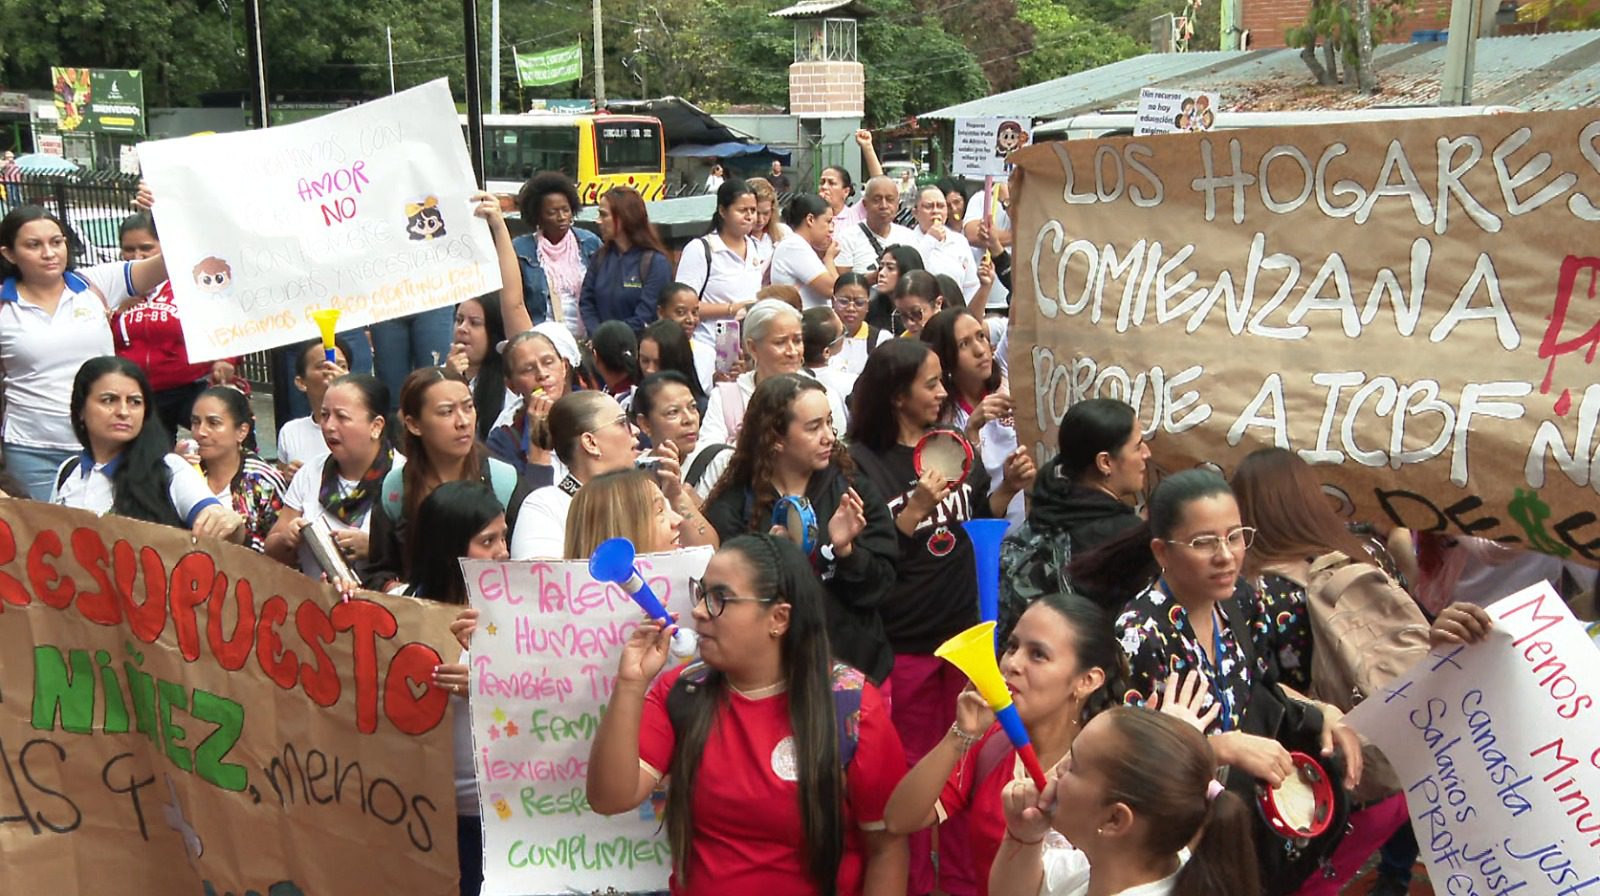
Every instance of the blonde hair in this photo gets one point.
(765, 192)
(611, 505)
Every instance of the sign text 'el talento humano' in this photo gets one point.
(544, 664)
(1409, 302)
(195, 718)
(1497, 750)
(367, 210)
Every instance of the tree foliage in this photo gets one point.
(1068, 41)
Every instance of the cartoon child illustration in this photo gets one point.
(1009, 138)
(423, 219)
(213, 275)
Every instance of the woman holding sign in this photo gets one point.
(789, 469)
(779, 760)
(52, 320)
(898, 399)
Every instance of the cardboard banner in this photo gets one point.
(1173, 111)
(1498, 748)
(367, 210)
(983, 146)
(98, 100)
(1408, 302)
(550, 67)
(544, 662)
(181, 718)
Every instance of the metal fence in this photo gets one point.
(93, 205)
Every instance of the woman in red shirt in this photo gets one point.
(148, 333)
(1063, 667)
(780, 761)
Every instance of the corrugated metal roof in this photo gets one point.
(1532, 72)
(806, 8)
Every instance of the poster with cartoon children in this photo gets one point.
(983, 146)
(1175, 111)
(367, 210)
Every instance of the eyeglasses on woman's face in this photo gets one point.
(1238, 539)
(717, 597)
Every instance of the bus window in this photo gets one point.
(629, 147)
(516, 153)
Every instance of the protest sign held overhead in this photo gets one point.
(1175, 111)
(185, 718)
(1496, 748)
(1408, 302)
(983, 146)
(544, 663)
(366, 210)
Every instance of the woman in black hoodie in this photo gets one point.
(1079, 502)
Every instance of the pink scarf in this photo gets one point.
(563, 267)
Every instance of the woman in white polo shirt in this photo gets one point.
(52, 319)
(127, 466)
(806, 257)
(725, 266)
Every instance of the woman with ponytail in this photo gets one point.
(1136, 790)
(777, 761)
(1063, 667)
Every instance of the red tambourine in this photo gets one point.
(1302, 807)
(945, 451)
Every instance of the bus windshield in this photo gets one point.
(628, 147)
(515, 153)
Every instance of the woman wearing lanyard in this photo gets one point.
(788, 457)
(724, 267)
(342, 487)
(976, 391)
(627, 274)
(225, 432)
(52, 320)
(555, 257)
(126, 466)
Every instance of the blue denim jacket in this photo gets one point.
(535, 288)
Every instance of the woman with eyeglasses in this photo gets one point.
(851, 297)
(1195, 612)
(789, 457)
(896, 262)
(917, 298)
(592, 436)
(778, 761)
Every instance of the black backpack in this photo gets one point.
(1033, 563)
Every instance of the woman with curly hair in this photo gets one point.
(555, 257)
(788, 452)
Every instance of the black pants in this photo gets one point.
(469, 846)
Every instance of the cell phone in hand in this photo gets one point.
(727, 345)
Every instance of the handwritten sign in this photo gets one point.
(983, 146)
(1498, 749)
(184, 719)
(1407, 302)
(1172, 111)
(366, 210)
(544, 663)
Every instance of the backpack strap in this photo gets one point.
(706, 242)
(877, 247)
(503, 480)
(697, 470)
(393, 492)
(68, 466)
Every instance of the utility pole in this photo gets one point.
(599, 62)
(388, 35)
(494, 60)
(469, 9)
(257, 59)
(1460, 53)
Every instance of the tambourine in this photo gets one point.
(795, 515)
(945, 451)
(1302, 807)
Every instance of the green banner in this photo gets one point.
(99, 100)
(549, 67)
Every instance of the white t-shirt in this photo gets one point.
(714, 427)
(88, 486)
(300, 441)
(705, 360)
(951, 255)
(856, 251)
(1066, 873)
(542, 524)
(998, 294)
(302, 496)
(40, 353)
(731, 277)
(852, 356)
(795, 263)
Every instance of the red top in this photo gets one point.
(148, 334)
(976, 791)
(748, 833)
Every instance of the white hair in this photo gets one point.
(763, 314)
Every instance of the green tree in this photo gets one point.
(1067, 41)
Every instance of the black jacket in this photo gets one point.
(1088, 516)
(856, 585)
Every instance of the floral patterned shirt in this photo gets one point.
(257, 495)
(1158, 639)
(1288, 623)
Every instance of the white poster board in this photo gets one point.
(983, 145)
(1175, 111)
(544, 663)
(1498, 748)
(367, 210)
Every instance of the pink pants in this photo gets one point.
(1370, 828)
(922, 693)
